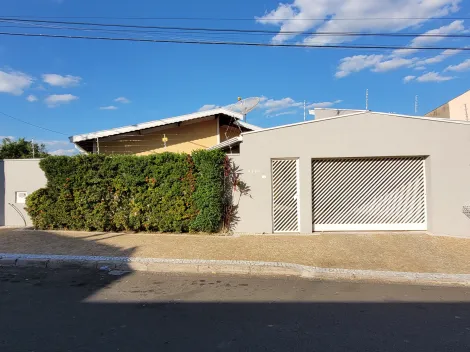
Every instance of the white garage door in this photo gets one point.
(368, 194)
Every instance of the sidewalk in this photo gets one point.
(415, 253)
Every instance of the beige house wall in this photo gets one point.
(457, 107)
(182, 139)
(441, 111)
(454, 109)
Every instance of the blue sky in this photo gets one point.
(74, 86)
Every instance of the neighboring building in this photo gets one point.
(18, 179)
(456, 109)
(363, 171)
(200, 130)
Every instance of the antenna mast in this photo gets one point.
(416, 105)
(367, 99)
(305, 112)
(466, 112)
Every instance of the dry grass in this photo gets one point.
(397, 252)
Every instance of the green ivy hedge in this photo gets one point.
(165, 192)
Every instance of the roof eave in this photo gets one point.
(155, 123)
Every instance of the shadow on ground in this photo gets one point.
(80, 310)
(43, 242)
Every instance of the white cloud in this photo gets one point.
(58, 99)
(110, 107)
(32, 98)
(463, 66)
(289, 106)
(325, 104)
(122, 100)
(356, 63)
(9, 137)
(408, 79)
(436, 59)
(54, 143)
(291, 112)
(272, 105)
(61, 81)
(208, 107)
(380, 16)
(392, 64)
(383, 63)
(433, 77)
(14, 82)
(68, 152)
(427, 39)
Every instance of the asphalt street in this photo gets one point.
(85, 310)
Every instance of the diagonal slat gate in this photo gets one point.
(369, 194)
(285, 195)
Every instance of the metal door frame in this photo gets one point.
(297, 170)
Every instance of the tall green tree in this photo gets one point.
(21, 149)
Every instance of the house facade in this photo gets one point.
(456, 109)
(181, 134)
(362, 171)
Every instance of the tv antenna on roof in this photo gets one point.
(244, 106)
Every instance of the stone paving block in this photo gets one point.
(71, 264)
(37, 263)
(224, 269)
(132, 266)
(7, 261)
(273, 270)
(172, 268)
(101, 265)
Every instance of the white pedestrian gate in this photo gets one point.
(285, 176)
(369, 194)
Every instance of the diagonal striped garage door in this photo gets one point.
(368, 194)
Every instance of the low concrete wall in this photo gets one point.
(18, 175)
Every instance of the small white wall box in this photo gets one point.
(21, 197)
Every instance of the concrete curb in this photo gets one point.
(231, 267)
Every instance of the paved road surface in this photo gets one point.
(80, 310)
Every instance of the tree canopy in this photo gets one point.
(21, 149)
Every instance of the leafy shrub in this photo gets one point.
(209, 194)
(165, 192)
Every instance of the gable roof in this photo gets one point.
(157, 123)
(435, 119)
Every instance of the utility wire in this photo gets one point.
(326, 19)
(232, 43)
(216, 34)
(31, 124)
(235, 30)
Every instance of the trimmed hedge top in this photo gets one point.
(165, 192)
